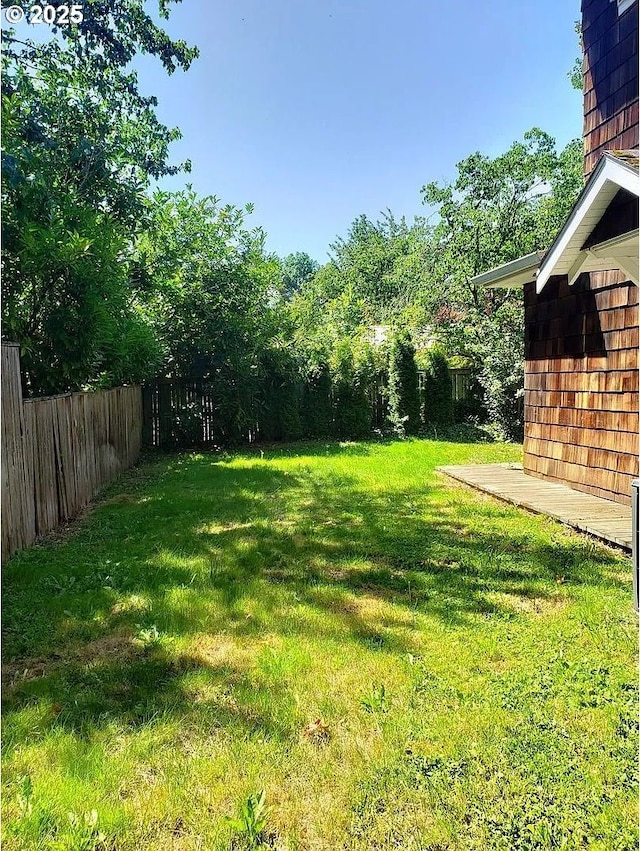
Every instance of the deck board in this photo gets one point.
(606, 520)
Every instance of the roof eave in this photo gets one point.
(516, 273)
(610, 169)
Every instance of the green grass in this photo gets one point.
(471, 666)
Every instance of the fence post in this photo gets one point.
(18, 508)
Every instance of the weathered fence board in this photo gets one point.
(18, 512)
(58, 452)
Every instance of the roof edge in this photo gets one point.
(512, 274)
(609, 168)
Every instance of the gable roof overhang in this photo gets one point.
(567, 255)
(513, 274)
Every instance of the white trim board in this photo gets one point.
(565, 255)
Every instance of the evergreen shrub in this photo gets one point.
(403, 390)
(280, 396)
(353, 375)
(437, 396)
(317, 411)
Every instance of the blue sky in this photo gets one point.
(319, 110)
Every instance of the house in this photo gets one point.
(581, 297)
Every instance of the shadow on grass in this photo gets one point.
(205, 546)
(459, 433)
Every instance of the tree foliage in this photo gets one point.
(105, 282)
(205, 282)
(80, 146)
(495, 211)
(353, 373)
(403, 392)
(297, 270)
(281, 395)
(437, 407)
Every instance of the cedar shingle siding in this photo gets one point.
(581, 383)
(581, 372)
(610, 79)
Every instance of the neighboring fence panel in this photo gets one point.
(180, 412)
(58, 452)
(461, 383)
(18, 507)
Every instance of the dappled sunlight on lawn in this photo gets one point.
(182, 640)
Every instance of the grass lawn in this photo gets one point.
(398, 662)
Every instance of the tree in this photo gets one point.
(205, 283)
(374, 277)
(495, 211)
(205, 279)
(80, 146)
(438, 401)
(372, 260)
(575, 75)
(353, 373)
(404, 396)
(297, 269)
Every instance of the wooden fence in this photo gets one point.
(59, 451)
(179, 412)
(461, 378)
(183, 412)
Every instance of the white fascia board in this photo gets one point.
(512, 274)
(608, 171)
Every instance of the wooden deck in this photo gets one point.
(606, 520)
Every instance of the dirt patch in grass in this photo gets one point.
(213, 651)
(521, 604)
(120, 646)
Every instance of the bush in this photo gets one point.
(317, 412)
(353, 375)
(186, 426)
(403, 391)
(236, 390)
(502, 369)
(280, 396)
(472, 408)
(438, 401)
(503, 383)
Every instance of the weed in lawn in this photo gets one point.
(148, 637)
(376, 700)
(82, 833)
(251, 820)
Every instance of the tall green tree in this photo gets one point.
(206, 282)
(297, 270)
(404, 397)
(374, 276)
(437, 401)
(496, 210)
(80, 146)
(373, 260)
